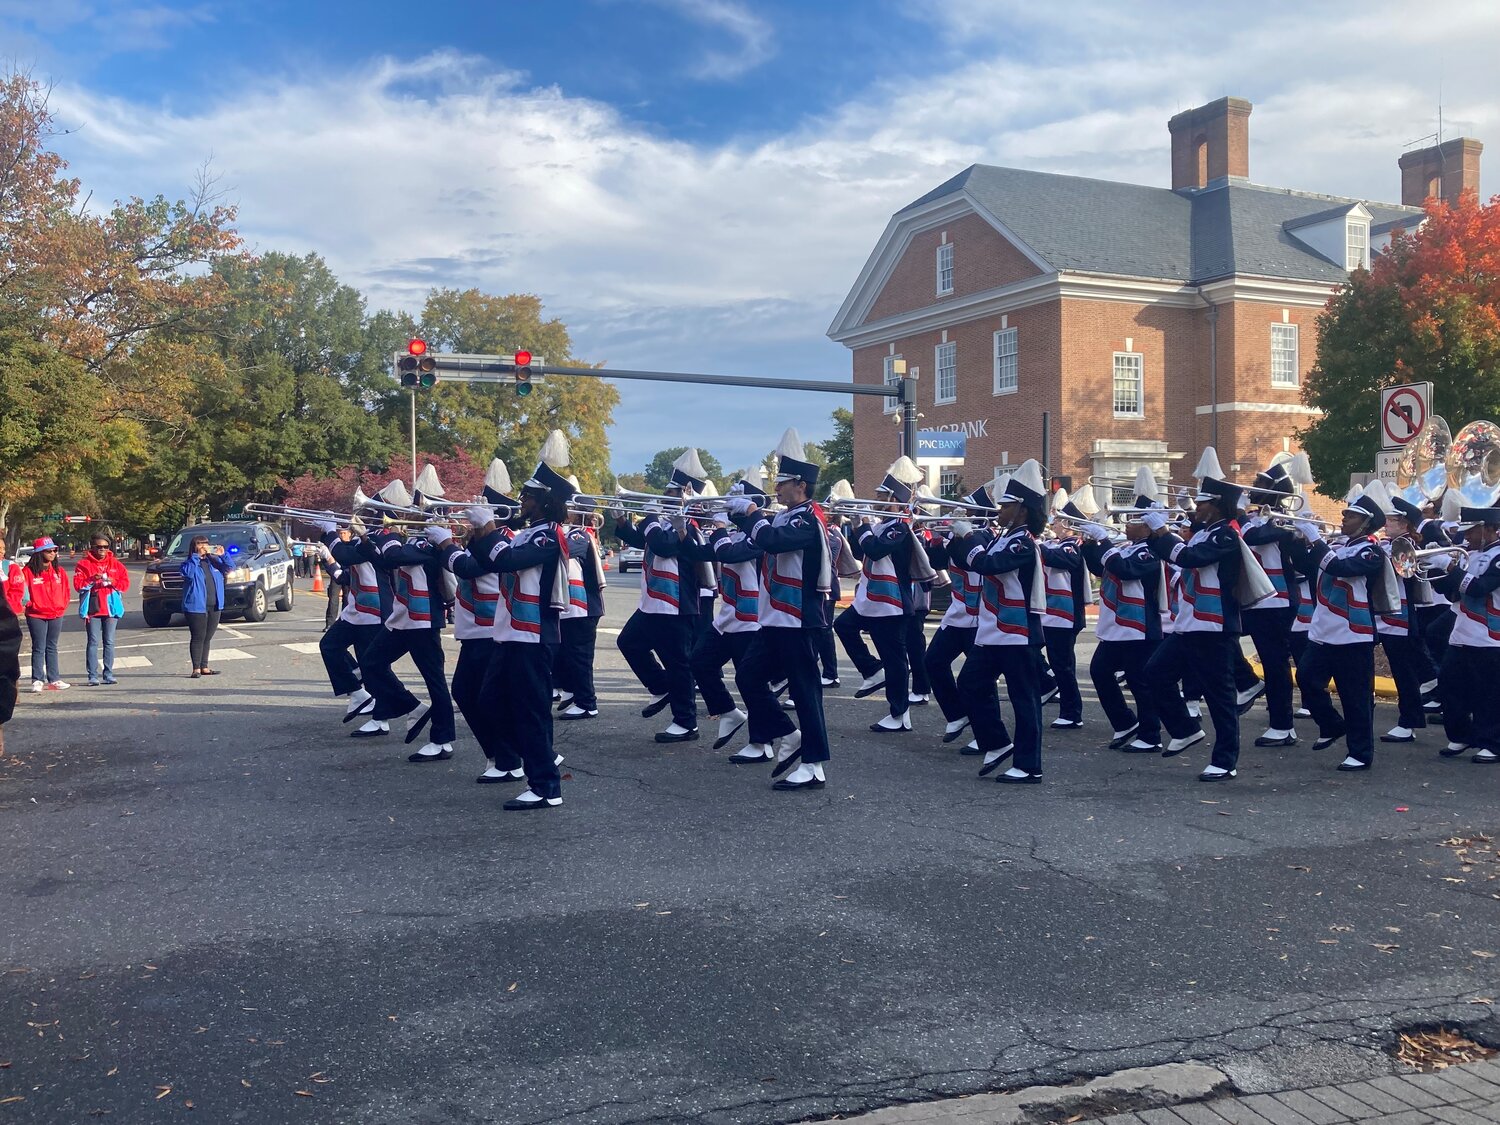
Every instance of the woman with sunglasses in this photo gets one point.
(47, 598)
(101, 582)
(202, 599)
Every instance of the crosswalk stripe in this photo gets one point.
(308, 647)
(230, 654)
(132, 662)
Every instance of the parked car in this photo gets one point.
(632, 558)
(260, 572)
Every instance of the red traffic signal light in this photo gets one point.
(416, 347)
(523, 359)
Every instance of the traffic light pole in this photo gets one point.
(414, 433)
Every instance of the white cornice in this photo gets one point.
(1270, 290)
(1258, 408)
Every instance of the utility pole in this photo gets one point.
(414, 433)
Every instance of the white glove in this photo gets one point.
(327, 527)
(436, 535)
(739, 505)
(1096, 531)
(721, 519)
(1156, 519)
(1309, 530)
(962, 528)
(324, 553)
(678, 522)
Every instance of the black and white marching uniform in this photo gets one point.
(573, 668)
(657, 641)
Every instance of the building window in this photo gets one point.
(1007, 365)
(1121, 496)
(948, 483)
(1129, 385)
(945, 359)
(893, 403)
(1283, 355)
(945, 268)
(1357, 246)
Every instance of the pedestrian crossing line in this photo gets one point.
(235, 633)
(230, 654)
(307, 647)
(132, 662)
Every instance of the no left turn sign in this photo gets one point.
(1403, 411)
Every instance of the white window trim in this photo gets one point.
(1364, 232)
(937, 278)
(1141, 386)
(1296, 349)
(891, 403)
(937, 376)
(995, 388)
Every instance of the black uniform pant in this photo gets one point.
(474, 658)
(792, 654)
(657, 646)
(392, 700)
(335, 604)
(343, 649)
(1435, 623)
(1407, 659)
(1209, 658)
(916, 653)
(1297, 643)
(828, 654)
(1131, 658)
(573, 666)
(1060, 656)
(1471, 704)
(1271, 630)
(1244, 675)
(951, 642)
(889, 635)
(201, 630)
(978, 688)
(714, 650)
(517, 693)
(1351, 667)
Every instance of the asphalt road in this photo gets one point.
(218, 907)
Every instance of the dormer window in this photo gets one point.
(1356, 245)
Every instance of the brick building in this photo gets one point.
(1144, 323)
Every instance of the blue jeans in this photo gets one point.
(101, 627)
(44, 635)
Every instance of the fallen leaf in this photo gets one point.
(245, 1082)
(513, 985)
(1328, 941)
(304, 1093)
(1297, 867)
(114, 1070)
(1481, 953)
(12, 1099)
(1383, 947)
(163, 1091)
(189, 1105)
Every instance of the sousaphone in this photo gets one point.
(1422, 471)
(1473, 464)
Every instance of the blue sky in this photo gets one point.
(694, 184)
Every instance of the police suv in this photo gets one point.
(260, 571)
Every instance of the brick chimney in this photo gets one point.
(1444, 170)
(1210, 142)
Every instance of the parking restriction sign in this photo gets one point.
(1403, 411)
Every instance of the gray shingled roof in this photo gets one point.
(1101, 226)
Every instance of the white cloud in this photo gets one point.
(734, 256)
(754, 37)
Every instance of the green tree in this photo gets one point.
(488, 420)
(839, 449)
(1427, 310)
(659, 472)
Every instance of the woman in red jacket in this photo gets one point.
(12, 579)
(47, 598)
(101, 582)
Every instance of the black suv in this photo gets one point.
(260, 571)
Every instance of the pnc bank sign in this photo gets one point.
(949, 443)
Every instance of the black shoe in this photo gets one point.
(862, 693)
(1066, 724)
(1005, 755)
(1255, 693)
(810, 783)
(954, 736)
(1049, 695)
(1123, 737)
(1206, 776)
(1347, 768)
(828, 683)
(441, 756)
(747, 760)
(515, 804)
(686, 736)
(1289, 740)
(1149, 747)
(363, 709)
(970, 751)
(418, 726)
(571, 715)
(1393, 738)
(1007, 778)
(655, 707)
(505, 778)
(1323, 742)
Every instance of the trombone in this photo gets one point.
(1408, 561)
(1285, 519)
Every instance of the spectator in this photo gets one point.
(47, 598)
(297, 556)
(101, 580)
(10, 665)
(13, 579)
(202, 599)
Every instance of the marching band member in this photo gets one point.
(1132, 592)
(414, 628)
(1425, 603)
(574, 666)
(1269, 622)
(1400, 638)
(796, 577)
(1065, 579)
(360, 619)
(1009, 630)
(924, 578)
(733, 627)
(1471, 666)
(1352, 584)
(955, 635)
(657, 640)
(882, 600)
(1205, 630)
(845, 565)
(533, 593)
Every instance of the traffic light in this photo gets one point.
(416, 368)
(523, 373)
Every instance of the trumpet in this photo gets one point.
(1282, 519)
(1407, 561)
(1116, 535)
(343, 519)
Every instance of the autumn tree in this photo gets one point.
(659, 472)
(1428, 310)
(839, 449)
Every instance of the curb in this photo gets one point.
(1385, 687)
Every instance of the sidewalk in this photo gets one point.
(1183, 1094)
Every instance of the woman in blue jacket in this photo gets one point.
(202, 599)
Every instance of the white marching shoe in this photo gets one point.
(1217, 773)
(1453, 749)
(529, 800)
(432, 752)
(1178, 745)
(892, 723)
(1485, 758)
(360, 701)
(803, 777)
(494, 775)
(916, 700)
(1195, 710)
(993, 759)
(870, 685)
(788, 752)
(952, 730)
(371, 729)
(754, 753)
(1398, 734)
(573, 711)
(729, 725)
